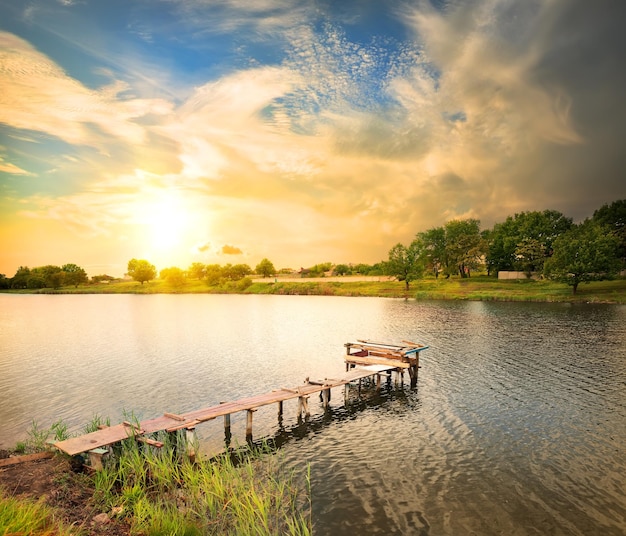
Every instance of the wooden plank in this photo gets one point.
(174, 416)
(151, 442)
(99, 438)
(14, 460)
(380, 344)
(182, 425)
(377, 361)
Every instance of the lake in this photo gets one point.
(517, 425)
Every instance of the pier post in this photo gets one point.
(280, 408)
(250, 412)
(190, 443)
(303, 405)
(326, 397)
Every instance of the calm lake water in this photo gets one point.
(517, 425)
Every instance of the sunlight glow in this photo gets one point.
(167, 222)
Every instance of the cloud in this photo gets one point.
(231, 250)
(38, 95)
(12, 169)
(203, 248)
(257, 20)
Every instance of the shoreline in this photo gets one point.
(478, 288)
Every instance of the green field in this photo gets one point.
(480, 288)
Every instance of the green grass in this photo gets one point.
(479, 288)
(19, 516)
(159, 493)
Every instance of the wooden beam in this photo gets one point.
(377, 361)
(151, 442)
(14, 460)
(174, 416)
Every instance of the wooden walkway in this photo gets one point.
(170, 422)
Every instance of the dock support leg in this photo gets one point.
(377, 381)
(95, 458)
(413, 375)
(325, 397)
(190, 440)
(250, 413)
(227, 433)
(280, 408)
(303, 406)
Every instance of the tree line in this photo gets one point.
(544, 244)
(48, 276)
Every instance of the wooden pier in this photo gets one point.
(358, 367)
(401, 357)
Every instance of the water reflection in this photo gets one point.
(516, 426)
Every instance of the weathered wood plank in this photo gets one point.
(373, 360)
(14, 460)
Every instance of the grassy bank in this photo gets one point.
(150, 491)
(478, 288)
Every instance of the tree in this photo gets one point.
(197, 270)
(434, 246)
(464, 246)
(506, 237)
(102, 277)
(530, 255)
(51, 275)
(141, 270)
(74, 275)
(404, 263)
(265, 268)
(20, 279)
(587, 252)
(341, 269)
(236, 272)
(174, 276)
(614, 217)
(213, 274)
(318, 270)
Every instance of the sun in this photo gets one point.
(166, 222)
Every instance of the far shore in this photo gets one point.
(476, 288)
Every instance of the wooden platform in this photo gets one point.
(405, 356)
(171, 422)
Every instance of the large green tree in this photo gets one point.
(587, 252)
(235, 272)
(530, 256)
(405, 263)
(516, 231)
(74, 274)
(197, 270)
(434, 248)
(20, 279)
(265, 268)
(174, 276)
(141, 270)
(213, 274)
(49, 276)
(464, 246)
(614, 217)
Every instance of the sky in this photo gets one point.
(302, 131)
